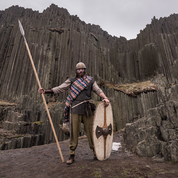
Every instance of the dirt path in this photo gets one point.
(45, 162)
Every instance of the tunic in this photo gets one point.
(84, 95)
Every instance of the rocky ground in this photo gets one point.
(44, 161)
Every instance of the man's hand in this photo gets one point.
(41, 90)
(65, 128)
(66, 125)
(106, 101)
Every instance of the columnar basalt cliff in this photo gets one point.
(137, 75)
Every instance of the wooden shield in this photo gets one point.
(103, 131)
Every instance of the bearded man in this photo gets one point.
(78, 100)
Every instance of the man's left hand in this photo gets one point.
(106, 101)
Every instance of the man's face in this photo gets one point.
(80, 72)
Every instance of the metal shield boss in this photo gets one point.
(103, 131)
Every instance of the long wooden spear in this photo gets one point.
(23, 34)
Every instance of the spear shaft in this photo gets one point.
(44, 100)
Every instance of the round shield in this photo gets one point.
(103, 131)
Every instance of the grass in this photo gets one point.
(97, 173)
(83, 167)
(134, 172)
(175, 173)
(38, 122)
(132, 89)
(125, 173)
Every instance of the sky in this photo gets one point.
(118, 17)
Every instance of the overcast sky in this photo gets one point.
(117, 17)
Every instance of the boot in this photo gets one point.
(71, 160)
(95, 157)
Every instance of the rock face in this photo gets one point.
(24, 126)
(58, 41)
(157, 132)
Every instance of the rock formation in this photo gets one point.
(58, 41)
(157, 132)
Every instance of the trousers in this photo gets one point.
(77, 119)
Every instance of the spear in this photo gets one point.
(23, 34)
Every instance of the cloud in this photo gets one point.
(117, 17)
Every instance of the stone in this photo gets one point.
(148, 147)
(151, 139)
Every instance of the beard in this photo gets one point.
(80, 74)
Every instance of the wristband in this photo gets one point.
(49, 91)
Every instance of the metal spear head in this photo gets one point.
(22, 31)
(21, 28)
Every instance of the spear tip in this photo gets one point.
(21, 28)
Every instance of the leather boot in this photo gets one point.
(71, 160)
(95, 157)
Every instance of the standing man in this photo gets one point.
(81, 109)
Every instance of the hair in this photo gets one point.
(76, 73)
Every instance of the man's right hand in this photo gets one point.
(41, 90)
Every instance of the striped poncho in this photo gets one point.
(76, 89)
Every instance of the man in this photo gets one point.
(79, 101)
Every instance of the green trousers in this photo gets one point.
(77, 119)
